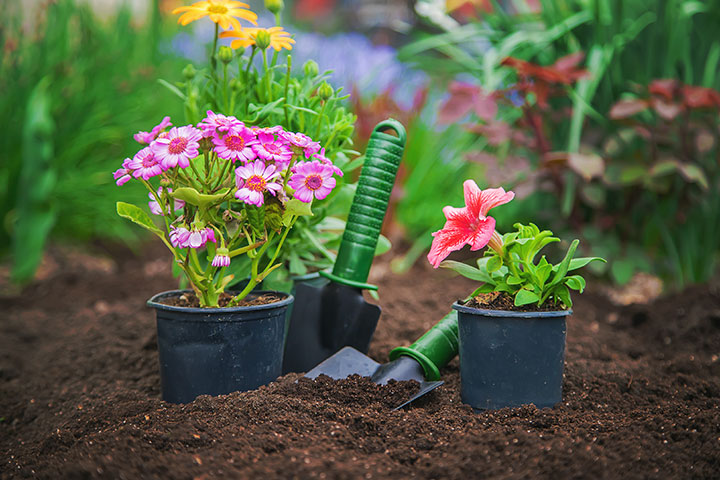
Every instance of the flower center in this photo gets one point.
(177, 145)
(313, 182)
(234, 142)
(256, 183)
(148, 161)
(272, 148)
(221, 9)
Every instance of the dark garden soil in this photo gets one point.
(79, 393)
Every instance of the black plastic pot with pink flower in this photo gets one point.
(512, 328)
(224, 190)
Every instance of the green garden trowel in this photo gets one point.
(421, 361)
(333, 315)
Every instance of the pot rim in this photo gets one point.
(154, 303)
(510, 313)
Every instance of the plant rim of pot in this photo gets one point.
(511, 313)
(154, 302)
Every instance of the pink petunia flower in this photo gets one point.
(148, 137)
(326, 161)
(468, 225)
(181, 237)
(178, 147)
(145, 165)
(216, 122)
(312, 179)
(268, 148)
(253, 180)
(303, 142)
(222, 258)
(236, 144)
(155, 206)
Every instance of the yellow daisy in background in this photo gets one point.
(223, 12)
(278, 38)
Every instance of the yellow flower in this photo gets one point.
(223, 12)
(279, 38)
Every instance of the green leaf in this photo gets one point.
(494, 263)
(202, 200)
(525, 297)
(562, 269)
(580, 262)
(576, 282)
(563, 294)
(172, 88)
(383, 245)
(514, 280)
(297, 208)
(467, 271)
(138, 216)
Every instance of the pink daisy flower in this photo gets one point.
(122, 176)
(253, 180)
(177, 147)
(312, 179)
(236, 144)
(276, 130)
(222, 258)
(302, 141)
(468, 225)
(268, 148)
(144, 164)
(155, 206)
(326, 161)
(216, 122)
(148, 137)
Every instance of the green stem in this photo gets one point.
(267, 77)
(213, 60)
(320, 119)
(197, 174)
(287, 91)
(225, 88)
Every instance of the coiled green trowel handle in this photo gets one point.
(434, 349)
(377, 177)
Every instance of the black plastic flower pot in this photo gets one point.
(509, 358)
(215, 351)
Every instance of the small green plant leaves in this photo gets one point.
(525, 297)
(494, 263)
(138, 216)
(576, 282)
(514, 280)
(467, 271)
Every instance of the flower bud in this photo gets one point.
(189, 71)
(225, 54)
(325, 91)
(165, 182)
(236, 85)
(274, 6)
(311, 68)
(262, 39)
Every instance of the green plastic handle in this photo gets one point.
(435, 348)
(377, 177)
